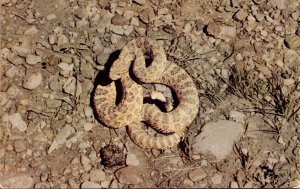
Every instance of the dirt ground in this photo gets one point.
(244, 57)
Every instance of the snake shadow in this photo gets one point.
(102, 78)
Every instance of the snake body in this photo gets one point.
(132, 69)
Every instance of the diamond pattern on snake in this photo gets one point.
(142, 61)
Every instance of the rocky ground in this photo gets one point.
(244, 57)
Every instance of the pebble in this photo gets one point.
(50, 17)
(33, 81)
(70, 86)
(134, 21)
(19, 145)
(51, 39)
(33, 59)
(97, 175)
(88, 184)
(128, 175)
(131, 159)
(61, 137)
(88, 126)
(218, 138)
(234, 184)
(227, 33)
(13, 71)
(128, 30)
(85, 162)
(117, 29)
(118, 20)
(31, 31)
(188, 183)
(216, 179)
(65, 68)
(140, 30)
(55, 84)
(292, 41)
(241, 15)
(42, 185)
(197, 174)
(127, 14)
(62, 40)
(87, 70)
(16, 181)
(53, 103)
(17, 122)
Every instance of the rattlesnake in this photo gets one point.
(132, 70)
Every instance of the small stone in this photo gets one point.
(216, 179)
(88, 126)
(19, 145)
(97, 175)
(118, 20)
(17, 122)
(31, 31)
(82, 23)
(213, 29)
(42, 185)
(55, 84)
(140, 2)
(241, 15)
(62, 40)
(88, 184)
(117, 29)
(16, 181)
(53, 103)
(127, 14)
(87, 70)
(188, 183)
(134, 21)
(71, 85)
(66, 68)
(50, 16)
(248, 185)
(86, 163)
(13, 71)
(228, 32)
(217, 138)
(33, 81)
(234, 184)
(288, 82)
(128, 175)
(140, 30)
(197, 174)
(131, 159)
(115, 38)
(293, 41)
(128, 30)
(33, 59)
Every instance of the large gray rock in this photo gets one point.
(217, 138)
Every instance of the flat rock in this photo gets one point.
(218, 138)
(17, 122)
(131, 159)
(118, 20)
(128, 175)
(33, 59)
(89, 184)
(33, 81)
(97, 175)
(16, 181)
(31, 31)
(71, 86)
(292, 42)
(216, 179)
(197, 174)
